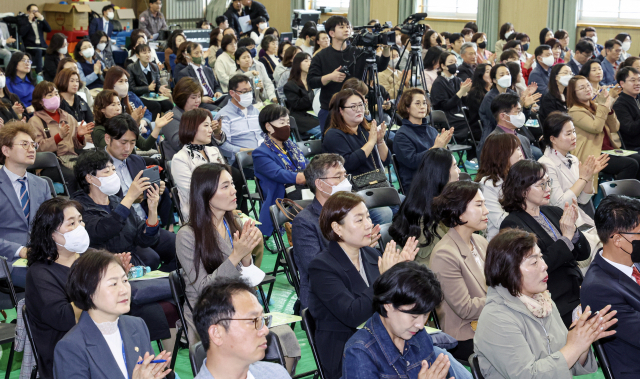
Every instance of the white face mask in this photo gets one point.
(518, 120)
(594, 39)
(88, 53)
(505, 81)
(246, 99)
(344, 185)
(63, 50)
(76, 241)
(101, 46)
(548, 61)
(393, 63)
(109, 185)
(262, 26)
(3, 80)
(626, 46)
(564, 80)
(507, 34)
(110, 15)
(121, 89)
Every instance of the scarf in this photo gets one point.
(297, 164)
(540, 305)
(191, 148)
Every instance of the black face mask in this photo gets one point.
(452, 68)
(635, 252)
(482, 45)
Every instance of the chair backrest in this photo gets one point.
(626, 187)
(176, 201)
(161, 150)
(295, 132)
(385, 238)
(309, 326)
(603, 360)
(177, 292)
(464, 176)
(9, 288)
(474, 364)
(380, 197)
(274, 350)
(52, 189)
(311, 147)
(291, 262)
(47, 159)
(439, 118)
(197, 354)
(394, 161)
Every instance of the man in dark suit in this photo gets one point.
(613, 278)
(104, 23)
(254, 9)
(590, 32)
(203, 74)
(21, 193)
(469, 59)
(233, 13)
(32, 27)
(584, 52)
(121, 133)
(627, 107)
(613, 49)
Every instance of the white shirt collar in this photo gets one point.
(12, 176)
(145, 69)
(627, 270)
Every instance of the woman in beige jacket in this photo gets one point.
(57, 132)
(597, 129)
(520, 332)
(458, 261)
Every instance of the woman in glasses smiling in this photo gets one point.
(20, 79)
(525, 195)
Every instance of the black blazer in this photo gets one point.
(444, 98)
(234, 22)
(139, 83)
(565, 276)
(548, 104)
(28, 35)
(206, 70)
(628, 113)
(80, 109)
(605, 284)
(465, 72)
(339, 301)
(50, 68)
(298, 98)
(256, 10)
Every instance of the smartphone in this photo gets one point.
(153, 173)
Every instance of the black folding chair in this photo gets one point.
(197, 354)
(309, 326)
(245, 160)
(293, 269)
(433, 317)
(48, 159)
(465, 113)
(385, 238)
(279, 219)
(176, 282)
(439, 119)
(175, 196)
(311, 147)
(474, 365)
(602, 359)
(8, 330)
(52, 189)
(27, 327)
(380, 197)
(274, 350)
(295, 132)
(396, 168)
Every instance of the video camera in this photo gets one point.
(413, 28)
(374, 37)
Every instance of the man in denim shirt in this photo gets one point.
(393, 342)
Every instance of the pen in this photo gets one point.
(155, 361)
(588, 318)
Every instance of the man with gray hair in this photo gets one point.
(468, 66)
(325, 175)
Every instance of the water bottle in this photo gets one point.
(138, 271)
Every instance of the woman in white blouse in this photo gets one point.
(499, 153)
(196, 130)
(225, 66)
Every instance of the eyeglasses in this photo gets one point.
(28, 61)
(259, 322)
(544, 185)
(26, 145)
(242, 92)
(355, 108)
(341, 177)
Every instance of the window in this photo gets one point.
(451, 8)
(613, 11)
(334, 5)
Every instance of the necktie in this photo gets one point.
(24, 198)
(204, 83)
(636, 274)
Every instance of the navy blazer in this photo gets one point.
(603, 285)
(574, 67)
(208, 73)
(410, 145)
(84, 353)
(274, 177)
(541, 77)
(14, 227)
(339, 301)
(609, 72)
(97, 24)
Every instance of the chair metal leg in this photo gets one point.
(8, 373)
(270, 291)
(160, 346)
(176, 347)
(264, 299)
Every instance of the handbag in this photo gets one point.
(372, 179)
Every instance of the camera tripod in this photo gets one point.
(370, 78)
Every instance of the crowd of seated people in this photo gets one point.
(521, 244)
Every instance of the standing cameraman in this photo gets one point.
(338, 62)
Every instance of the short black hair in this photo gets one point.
(216, 303)
(584, 47)
(504, 102)
(623, 74)
(472, 25)
(541, 49)
(90, 162)
(318, 167)
(236, 80)
(107, 7)
(238, 54)
(85, 276)
(453, 202)
(153, 1)
(505, 254)
(271, 113)
(611, 43)
(221, 19)
(616, 214)
(246, 41)
(552, 127)
(453, 37)
(333, 21)
(407, 283)
(141, 48)
(29, 7)
(309, 32)
(117, 126)
(522, 175)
